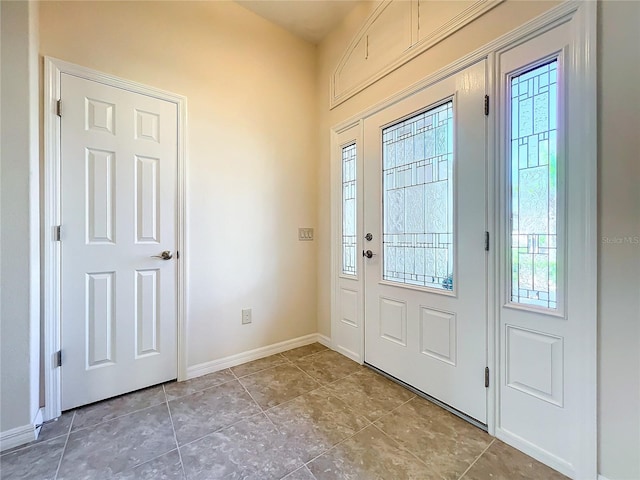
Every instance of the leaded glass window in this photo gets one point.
(534, 186)
(349, 209)
(417, 171)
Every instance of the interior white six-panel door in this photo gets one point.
(118, 211)
(425, 208)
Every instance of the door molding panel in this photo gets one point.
(582, 61)
(53, 69)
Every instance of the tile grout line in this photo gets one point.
(173, 428)
(287, 401)
(117, 417)
(202, 389)
(477, 458)
(308, 376)
(248, 392)
(157, 456)
(381, 416)
(400, 446)
(339, 443)
(221, 428)
(395, 408)
(320, 387)
(254, 401)
(369, 424)
(264, 411)
(133, 467)
(284, 362)
(310, 472)
(305, 356)
(64, 448)
(301, 467)
(331, 393)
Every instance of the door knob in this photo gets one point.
(166, 255)
(367, 253)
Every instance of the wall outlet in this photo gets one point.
(305, 234)
(246, 316)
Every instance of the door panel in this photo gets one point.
(425, 204)
(118, 175)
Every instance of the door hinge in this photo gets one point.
(486, 241)
(56, 233)
(486, 377)
(57, 359)
(486, 104)
(59, 108)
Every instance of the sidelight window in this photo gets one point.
(534, 186)
(349, 243)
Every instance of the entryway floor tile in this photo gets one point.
(305, 414)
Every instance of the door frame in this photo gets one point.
(583, 63)
(52, 265)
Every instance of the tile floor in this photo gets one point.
(308, 413)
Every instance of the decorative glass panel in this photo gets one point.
(417, 173)
(349, 209)
(534, 186)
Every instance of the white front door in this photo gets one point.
(425, 208)
(118, 212)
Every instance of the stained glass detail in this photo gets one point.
(534, 186)
(349, 209)
(417, 173)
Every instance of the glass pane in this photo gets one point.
(534, 186)
(349, 209)
(417, 173)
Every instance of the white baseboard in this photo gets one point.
(602, 477)
(21, 435)
(239, 358)
(536, 452)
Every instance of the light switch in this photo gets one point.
(305, 234)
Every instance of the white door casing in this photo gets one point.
(580, 72)
(114, 165)
(431, 337)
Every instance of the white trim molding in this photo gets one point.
(21, 435)
(250, 355)
(417, 45)
(17, 436)
(53, 69)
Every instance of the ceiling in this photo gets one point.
(311, 20)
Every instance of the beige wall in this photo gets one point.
(251, 153)
(19, 217)
(619, 196)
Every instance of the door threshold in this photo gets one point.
(431, 399)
